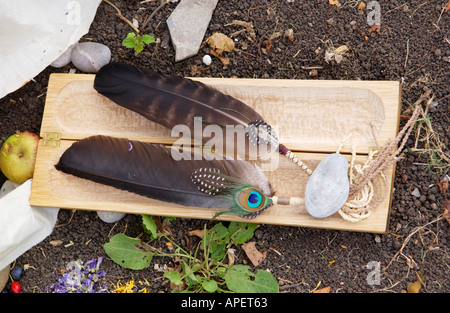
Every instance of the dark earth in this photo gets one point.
(412, 44)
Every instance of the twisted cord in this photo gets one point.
(294, 159)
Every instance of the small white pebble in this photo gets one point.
(207, 59)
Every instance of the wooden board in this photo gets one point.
(308, 115)
(74, 110)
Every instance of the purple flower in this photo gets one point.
(81, 277)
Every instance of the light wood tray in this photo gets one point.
(312, 117)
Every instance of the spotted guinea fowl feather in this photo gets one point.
(151, 170)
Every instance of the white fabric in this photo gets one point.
(34, 33)
(21, 226)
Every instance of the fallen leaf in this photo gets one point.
(268, 45)
(443, 187)
(446, 211)
(56, 243)
(415, 286)
(231, 257)
(290, 34)
(220, 43)
(443, 184)
(336, 54)
(333, 2)
(361, 6)
(197, 232)
(375, 28)
(275, 35)
(341, 49)
(223, 60)
(248, 26)
(448, 7)
(253, 254)
(323, 290)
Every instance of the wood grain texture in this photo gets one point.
(313, 117)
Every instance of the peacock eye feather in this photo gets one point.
(245, 200)
(248, 201)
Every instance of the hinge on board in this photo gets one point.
(52, 139)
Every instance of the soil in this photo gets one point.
(412, 46)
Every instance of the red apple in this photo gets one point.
(18, 156)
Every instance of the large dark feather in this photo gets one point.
(150, 170)
(172, 100)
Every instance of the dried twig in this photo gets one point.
(148, 19)
(407, 55)
(442, 12)
(123, 18)
(405, 242)
(433, 145)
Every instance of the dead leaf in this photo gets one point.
(323, 290)
(56, 243)
(361, 6)
(333, 2)
(248, 26)
(341, 49)
(375, 28)
(220, 43)
(275, 35)
(290, 34)
(446, 211)
(197, 232)
(231, 256)
(443, 187)
(223, 60)
(443, 184)
(448, 7)
(253, 254)
(336, 54)
(415, 286)
(268, 45)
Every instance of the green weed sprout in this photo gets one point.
(137, 42)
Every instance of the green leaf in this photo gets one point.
(189, 273)
(216, 240)
(148, 39)
(129, 41)
(128, 252)
(138, 48)
(209, 285)
(239, 279)
(243, 231)
(174, 277)
(150, 226)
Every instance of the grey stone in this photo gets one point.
(416, 193)
(89, 57)
(187, 26)
(110, 217)
(328, 187)
(64, 58)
